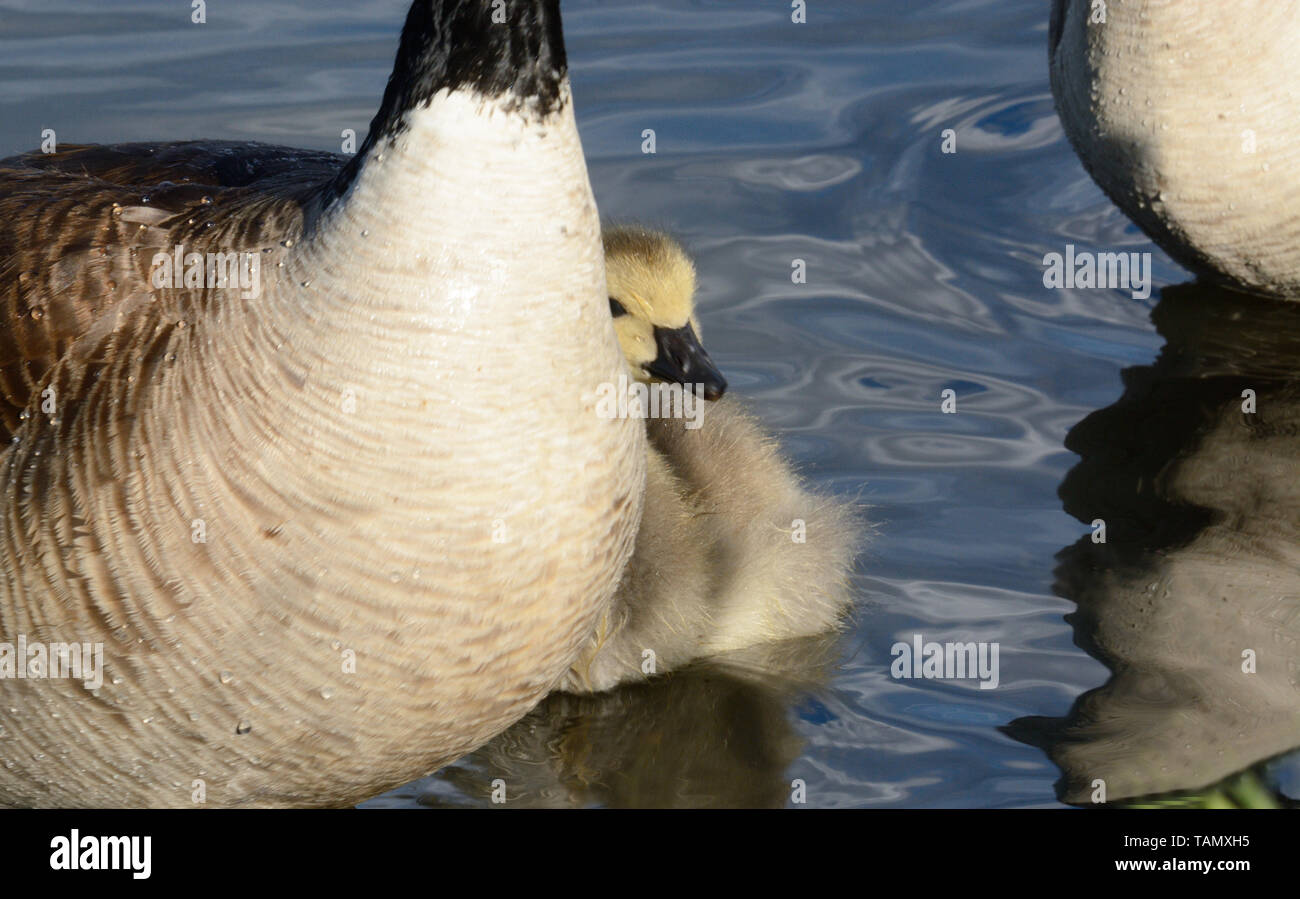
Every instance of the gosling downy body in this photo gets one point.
(733, 550)
(1184, 112)
(277, 513)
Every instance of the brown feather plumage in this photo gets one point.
(79, 227)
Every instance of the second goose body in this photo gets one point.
(1184, 112)
(282, 516)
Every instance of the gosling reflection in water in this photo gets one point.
(718, 734)
(1193, 600)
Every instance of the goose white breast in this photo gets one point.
(280, 515)
(1184, 112)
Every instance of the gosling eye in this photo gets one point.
(616, 308)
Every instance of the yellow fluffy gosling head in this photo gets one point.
(652, 298)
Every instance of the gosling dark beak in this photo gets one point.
(683, 359)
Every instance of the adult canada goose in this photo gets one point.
(1184, 114)
(316, 531)
(733, 550)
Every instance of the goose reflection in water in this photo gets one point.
(718, 734)
(1193, 600)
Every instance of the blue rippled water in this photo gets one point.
(775, 142)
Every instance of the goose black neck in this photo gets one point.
(508, 50)
(512, 50)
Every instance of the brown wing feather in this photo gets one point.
(79, 228)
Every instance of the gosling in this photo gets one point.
(733, 551)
